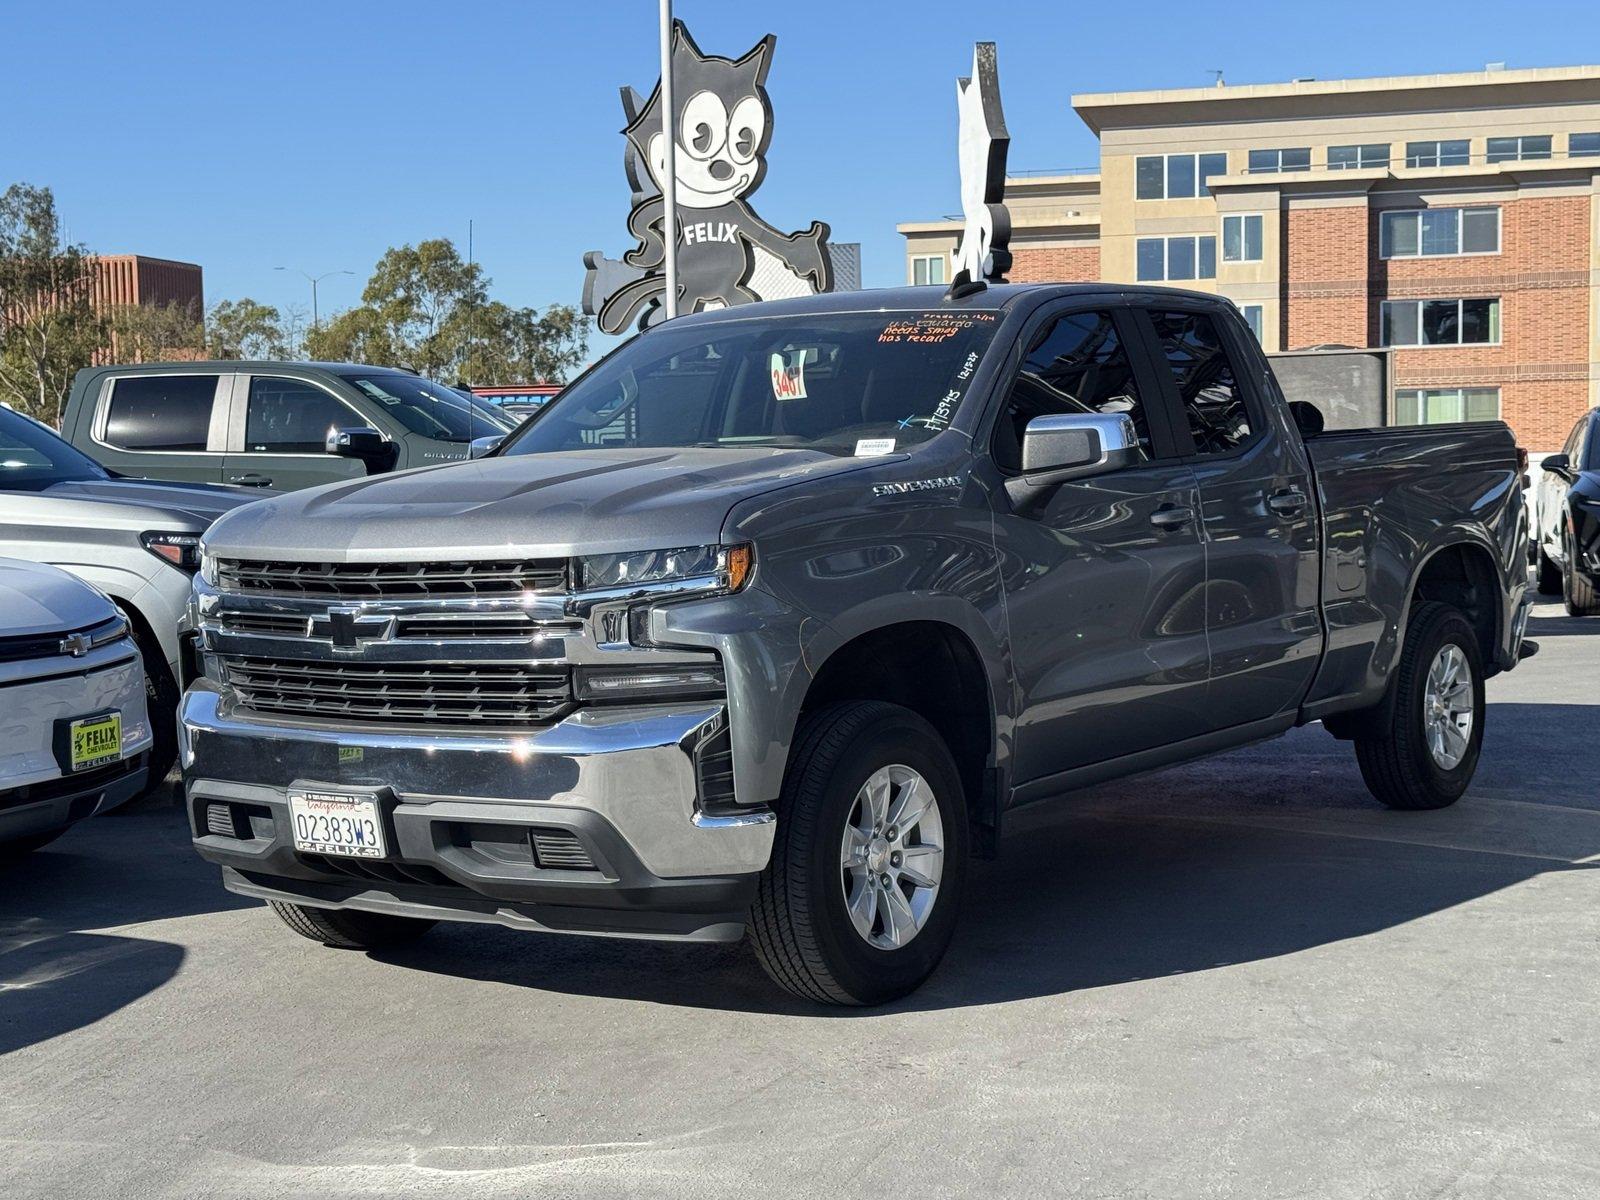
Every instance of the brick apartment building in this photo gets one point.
(134, 279)
(1452, 217)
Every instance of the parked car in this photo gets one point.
(134, 540)
(1569, 519)
(269, 424)
(776, 613)
(75, 736)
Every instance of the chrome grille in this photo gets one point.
(419, 627)
(511, 694)
(366, 581)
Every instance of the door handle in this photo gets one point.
(250, 480)
(1287, 503)
(1173, 516)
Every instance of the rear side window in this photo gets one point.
(161, 412)
(1076, 365)
(287, 416)
(1208, 386)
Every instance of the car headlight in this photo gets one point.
(181, 550)
(113, 630)
(724, 568)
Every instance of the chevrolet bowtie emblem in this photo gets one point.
(76, 644)
(347, 628)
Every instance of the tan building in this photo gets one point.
(1451, 216)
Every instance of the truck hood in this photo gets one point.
(526, 505)
(36, 599)
(181, 507)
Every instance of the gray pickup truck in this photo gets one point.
(768, 621)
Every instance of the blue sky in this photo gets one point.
(313, 136)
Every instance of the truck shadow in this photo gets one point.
(57, 971)
(1254, 855)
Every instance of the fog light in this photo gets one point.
(645, 683)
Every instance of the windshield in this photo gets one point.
(431, 409)
(846, 384)
(32, 457)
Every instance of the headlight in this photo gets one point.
(181, 550)
(725, 568)
(113, 630)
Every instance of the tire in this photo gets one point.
(803, 931)
(349, 928)
(21, 847)
(1549, 574)
(161, 699)
(1577, 589)
(1399, 765)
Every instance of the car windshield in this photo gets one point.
(32, 457)
(432, 409)
(841, 383)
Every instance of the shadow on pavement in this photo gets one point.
(1256, 854)
(57, 972)
(1560, 624)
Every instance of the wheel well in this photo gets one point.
(1464, 576)
(934, 670)
(144, 634)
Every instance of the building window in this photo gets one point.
(1252, 318)
(1583, 145)
(1440, 322)
(1351, 158)
(1519, 149)
(1176, 176)
(927, 268)
(1437, 154)
(1438, 406)
(1268, 162)
(1176, 258)
(1241, 238)
(1439, 232)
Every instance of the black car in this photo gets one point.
(1569, 519)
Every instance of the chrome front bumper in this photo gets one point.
(621, 781)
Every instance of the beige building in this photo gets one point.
(1450, 216)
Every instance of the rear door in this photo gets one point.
(1259, 525)
(278, 434)
(1103, 581)
(152, 426)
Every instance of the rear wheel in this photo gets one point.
(1549, 574)
(860, 899)
(1577, 589)
(350, 929)
(1427, 754)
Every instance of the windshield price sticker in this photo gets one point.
(870, 447)
(789, 376)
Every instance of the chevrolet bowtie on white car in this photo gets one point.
(776, 611)
(74, 733)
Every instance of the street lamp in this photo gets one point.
(315, 279)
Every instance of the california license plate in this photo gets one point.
(339, 823)
(95, 741)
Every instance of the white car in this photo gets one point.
(74, 731)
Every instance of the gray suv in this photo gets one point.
(270, 424)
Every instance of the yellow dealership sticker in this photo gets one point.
(96, 741)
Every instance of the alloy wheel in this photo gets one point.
(891, 857)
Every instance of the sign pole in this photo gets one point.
(669, 191)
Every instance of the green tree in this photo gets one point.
(155, 332)
(49, 328)
(428, 310)
(249, 329)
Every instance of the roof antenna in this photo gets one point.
(1217, 71)
(983, 255)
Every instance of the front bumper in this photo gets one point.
(462, 810)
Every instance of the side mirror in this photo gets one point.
(1066, 446)
(487, 444)
(359, 441)
(1557, 464)
(1308, 418)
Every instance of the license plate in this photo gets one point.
(95, 741)
(336, 823)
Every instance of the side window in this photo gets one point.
(1575, 437)
(1208, 386)
(286, 416)
(1076, 365)
(160, 412)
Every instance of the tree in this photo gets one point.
(49, 328)
(155, 332)
(249, 329)
(429, 311)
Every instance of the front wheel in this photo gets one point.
(349, 928)
(1426, 756)
(860, 899)
(1577, 589)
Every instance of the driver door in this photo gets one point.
(278, 435)
(1104, 580)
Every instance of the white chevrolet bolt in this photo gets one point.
(74, 731)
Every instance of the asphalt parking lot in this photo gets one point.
(1239, 978)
